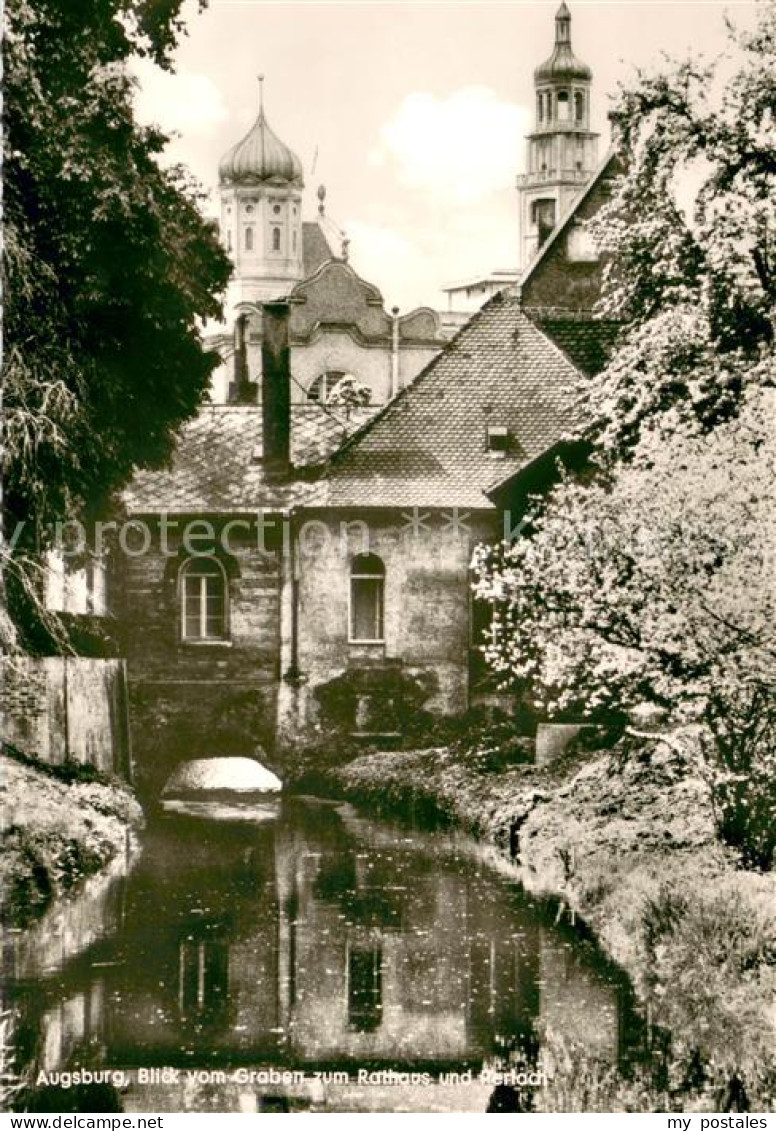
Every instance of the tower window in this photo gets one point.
(540, 108)
(543, 218)
(563, 105)
(229, 239)
(249, 239)
(579, 106)
(276, 239)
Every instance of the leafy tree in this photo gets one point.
(652, 580)
(109, 265)
(690, 241)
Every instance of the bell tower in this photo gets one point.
(562, 151)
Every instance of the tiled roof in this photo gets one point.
(586, 341)
(217, 468)
(427, 447)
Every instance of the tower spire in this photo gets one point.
(261, 94)
(563, 24)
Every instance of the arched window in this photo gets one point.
(229, 239)
(320, 390)
(548, 106)
(367, 591)
(563, 105)
(540, 108)
(276, 239)
(203, 592)
(579, 106)
(249, 239)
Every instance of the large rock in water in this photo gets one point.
(221, 776)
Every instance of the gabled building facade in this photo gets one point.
(306, 573)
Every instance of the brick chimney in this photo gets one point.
(276, 389)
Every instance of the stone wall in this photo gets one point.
(194, 699)
(427, 608)
(67, 709)
(289, 636)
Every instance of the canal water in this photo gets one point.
(306, 957)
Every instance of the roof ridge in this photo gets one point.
(355, 437)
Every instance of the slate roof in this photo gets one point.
(217, 468)
(316, 249)
(427, 447)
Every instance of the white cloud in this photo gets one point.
(395, 264)
(462, 147)
(189, 103)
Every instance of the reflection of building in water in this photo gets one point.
(327, 947)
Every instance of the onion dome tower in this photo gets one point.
(562, 151)
(260, 190)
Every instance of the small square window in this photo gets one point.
(497, 440)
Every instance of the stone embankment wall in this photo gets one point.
(67, 709)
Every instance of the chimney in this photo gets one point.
(276, 389)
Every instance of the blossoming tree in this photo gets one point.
(652, 579)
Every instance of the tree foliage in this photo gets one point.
(109, 264)
(652, 580)
(690, 240)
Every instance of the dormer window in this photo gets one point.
(497, 440)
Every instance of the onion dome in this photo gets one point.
(260, 156)
(563, 64)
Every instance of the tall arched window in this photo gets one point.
(579, 106)
(203, 593)
(276, 239)
(367, 593)
(563, 105)
(540, 108)
(249, 239)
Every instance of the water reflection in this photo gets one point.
(318, 941)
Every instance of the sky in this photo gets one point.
(412, 115)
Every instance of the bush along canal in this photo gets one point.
(59, 825)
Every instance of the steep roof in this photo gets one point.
(427, 447)
(217, 466)
(316, 249)
(609, 166)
